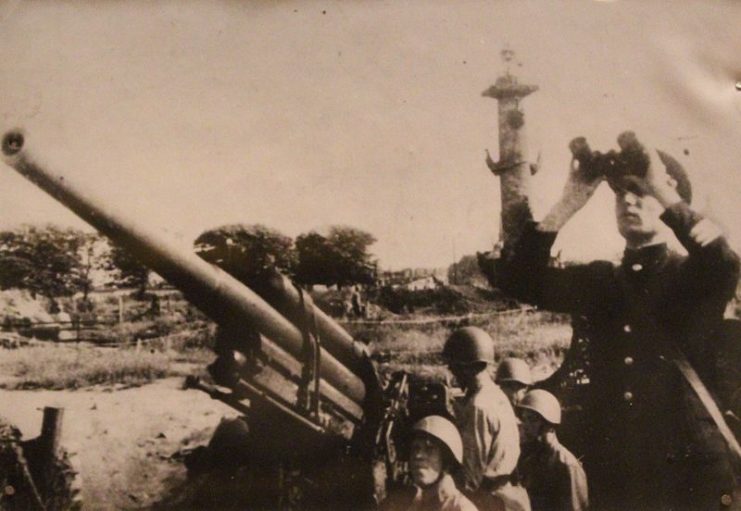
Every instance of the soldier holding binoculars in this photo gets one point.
(652, 444)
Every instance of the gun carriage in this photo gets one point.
(319, 429)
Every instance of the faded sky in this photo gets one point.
(192, 114)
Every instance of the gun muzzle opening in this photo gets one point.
(12, 143)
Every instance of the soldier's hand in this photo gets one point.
(579, 188)
(645, 171)
(580, 184)
(705, 232)
(651, 177)
(658, 181)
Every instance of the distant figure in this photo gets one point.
(346, 295)
(553, 477)
(436, 452)
(357, 302)
(154, 305)
(514, 378)
(491, 441)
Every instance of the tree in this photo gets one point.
(340, 258)
(127, 270)
(246, 250)
(45, 260)
(467, 272)
(90, 260)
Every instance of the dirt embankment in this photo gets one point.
(124, 439)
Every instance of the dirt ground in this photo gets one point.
(126, 441)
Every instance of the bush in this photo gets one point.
(440, 300)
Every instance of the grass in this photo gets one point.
(59, 367)
(540, 338)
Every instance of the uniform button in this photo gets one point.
(627, 329)
(628, 361)
(726, 500)
(637, 267)
(628, 396)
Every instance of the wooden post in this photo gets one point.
(51, 431)
(120, 309)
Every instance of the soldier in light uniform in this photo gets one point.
(436, 451)
(514, 378)
(553, 477)
(491, 441)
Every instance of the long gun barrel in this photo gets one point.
(219, 295)
(280, 292)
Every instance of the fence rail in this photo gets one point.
(64, 325)
(441, 319)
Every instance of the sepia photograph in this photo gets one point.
(349, 255)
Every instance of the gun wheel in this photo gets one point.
(63, 491)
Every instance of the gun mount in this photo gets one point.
(320, 423)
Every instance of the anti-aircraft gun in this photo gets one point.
(319, 428)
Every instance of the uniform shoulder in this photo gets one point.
(564, 456)
(601, 266)
(463, 504)
(398, 500)
(491, 397)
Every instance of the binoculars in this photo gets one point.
(631, 160)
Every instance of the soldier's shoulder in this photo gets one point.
(398, 500)
(564, 456)
(601, 266)
(462, 503)
(491, 397)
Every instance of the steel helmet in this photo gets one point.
(443, 430)
(514, 370)
(543, 403)
(468, 345)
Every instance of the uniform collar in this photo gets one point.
(482, 382)
(647, 258)
(441, 491)
(542, 445)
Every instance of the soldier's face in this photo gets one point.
(637, 216)
(464, 374)
(530, 425)
(425, 461)
(515, 391)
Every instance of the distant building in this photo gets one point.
(424, 283)
(414, 278)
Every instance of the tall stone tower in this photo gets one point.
(513, 169)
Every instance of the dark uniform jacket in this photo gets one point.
(553, 477)
(652, 446)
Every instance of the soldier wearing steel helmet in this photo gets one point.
(514, 378)
(491, 442)
(435, 453)
(651, 443)
(551, 474)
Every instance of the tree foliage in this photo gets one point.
(45, 260)
(126, 269)
(467, 272)
(340, 258)
(246, 250)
